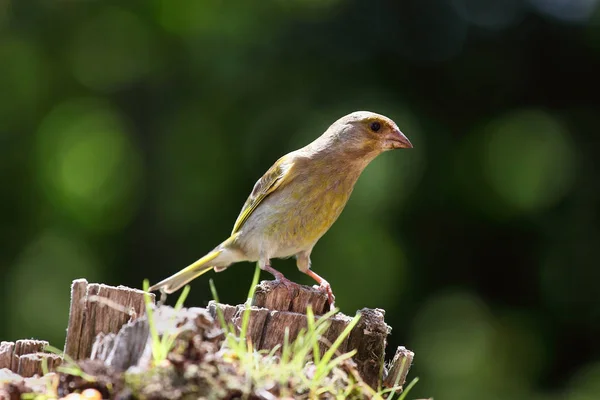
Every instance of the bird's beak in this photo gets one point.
(397, 140)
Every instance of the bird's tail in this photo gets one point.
(178, 280)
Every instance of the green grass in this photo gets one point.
(263, 367)
(161, 346)
(68, 366)
(289, 369)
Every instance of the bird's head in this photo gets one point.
(364, 131)
(374, 130)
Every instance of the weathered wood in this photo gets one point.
(227, 311)
(23, 348)
(368, 338)
(7, 350)
(338, 323)
(267, 329)
(396, 373)
(234, 315)
(276, 325)
(131, 346)
(33, 364)
(97, 308)
(256, 323)
(76, 316)
(103, 345)
(274, 295)
(26, 357)
(110, 325)
(126, 347)
(26, 346)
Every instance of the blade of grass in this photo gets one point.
(246, 315)
(408, 388)
(168, 340)
(310, 318)
(338, 360)
(325, 317)
(220, 315)
(71, 369)
(330, 352)
(395, 387)
(182, 297)
(76, 371)
(157, 355)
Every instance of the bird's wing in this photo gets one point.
(278, 174)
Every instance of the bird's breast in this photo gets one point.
(294, 218)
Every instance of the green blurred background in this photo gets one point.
(131, 133)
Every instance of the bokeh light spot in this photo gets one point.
(529, 160)
(347, 251)
(40, 280)
(112, 50)
(88, 165)
(184, 18)
(518, 333)
(180, 16)
(452, 335)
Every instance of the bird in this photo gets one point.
(298, 199)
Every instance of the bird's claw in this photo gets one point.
(289, 285)
(326, 287)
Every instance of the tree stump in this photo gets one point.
(99, 309)
(27, 357)
(273, 295)
(274, 310)
(109, 332)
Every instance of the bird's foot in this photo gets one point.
(280, 279)
(324, 286)
(289, 285)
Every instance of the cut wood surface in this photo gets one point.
(33, 364)
(7, 350)
(395, 375)
(27, 357)
(97, 308)
(273, 295)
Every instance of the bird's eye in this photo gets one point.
(375, 126)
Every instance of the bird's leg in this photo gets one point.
(266, 266)
(324, 286)
(303, 263)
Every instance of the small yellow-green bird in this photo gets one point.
(298, 199)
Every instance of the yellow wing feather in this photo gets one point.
(270, 181)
